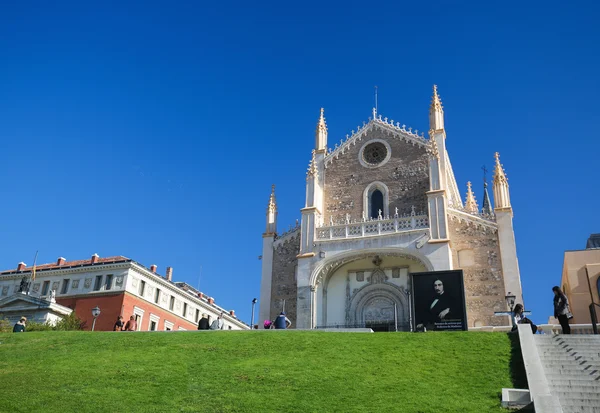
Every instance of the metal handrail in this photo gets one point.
(594, 317)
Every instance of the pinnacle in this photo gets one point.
(436, 101)
(471, 204)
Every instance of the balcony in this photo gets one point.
(372, 228)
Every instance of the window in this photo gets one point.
(172, 303)
(138, 320)
(142, 288)
(168, 325)
(197, 314)
(230, 327)
(45, 287)
(152, 325)
(184, 310)
(98, 283)
(376, 203)
(154, 319)
(376, 197)
(108, 282)
(157, 296)
(65, 286)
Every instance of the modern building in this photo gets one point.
(381, 205)
(581, 280)
(117, 285)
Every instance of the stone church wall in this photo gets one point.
(477, 253)
(406, 175)
(283, 284)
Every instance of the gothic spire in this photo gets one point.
(436, 111)
(470, 203)
(272, 213)
(486, 209)
(321, 133)
(501, 193)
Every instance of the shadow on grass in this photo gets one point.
(517, 367)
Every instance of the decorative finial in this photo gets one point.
(374, 114)
(272, 201)
(470, 203)
(321, 133)
(499, 174)
(436, 102)
(501, 192)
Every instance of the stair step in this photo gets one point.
(580, 409)
(580, 388)
(578, 395)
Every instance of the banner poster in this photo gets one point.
(439, 300)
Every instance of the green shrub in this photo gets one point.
(35, 326)
(5, 325)
(70, 323)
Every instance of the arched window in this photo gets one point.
(376, 197)
(376, 203)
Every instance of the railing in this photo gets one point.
(594, 317)
(373, 227)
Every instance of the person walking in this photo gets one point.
(20, 325)
(561, 309)
(203, 324)
(282, 322)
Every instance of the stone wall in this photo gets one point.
(406, 175)
(283, 284)
(484, 285)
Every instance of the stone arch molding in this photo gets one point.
(329, 265)
(376, 296)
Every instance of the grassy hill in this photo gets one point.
(253, 371)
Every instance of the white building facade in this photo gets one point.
(119, 286)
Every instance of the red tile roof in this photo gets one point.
(54, 265)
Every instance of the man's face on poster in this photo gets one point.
(438, 287)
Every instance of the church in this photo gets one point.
(381, 207)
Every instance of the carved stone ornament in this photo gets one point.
(75, 284)
(87, 283)
(119, 281)
(5, 290)
(36, 287)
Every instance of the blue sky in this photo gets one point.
(155, 130)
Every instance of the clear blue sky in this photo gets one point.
(155, 130)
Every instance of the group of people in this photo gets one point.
(131, 325)
(562, 313)
(205, 324)
(280, 323)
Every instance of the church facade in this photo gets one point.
(380, 206)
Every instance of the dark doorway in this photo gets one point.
(381, 326)
(376, 203)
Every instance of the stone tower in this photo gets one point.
(381, 205)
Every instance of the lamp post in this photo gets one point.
(95, 313)
(252, 321)
(510, 300)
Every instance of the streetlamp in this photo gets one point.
(95, 313)
(510, 300)
(252, 322)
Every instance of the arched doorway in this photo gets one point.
(365, 289)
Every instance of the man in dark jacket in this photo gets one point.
(282, 322)
(204, 324)
(20, 326)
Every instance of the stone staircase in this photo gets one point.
(572, 367)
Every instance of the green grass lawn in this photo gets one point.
(253, 371)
